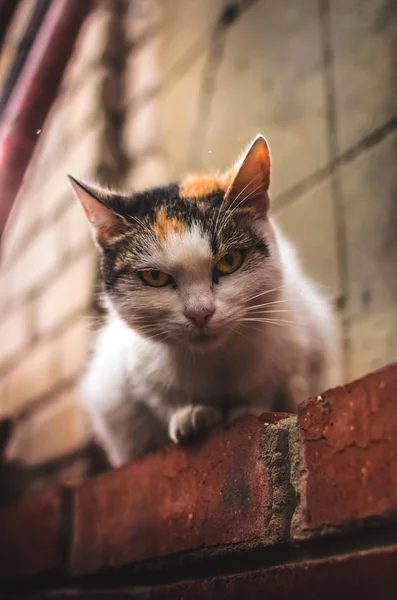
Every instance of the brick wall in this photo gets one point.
(49, 265)
(156, 89)
(276, 506)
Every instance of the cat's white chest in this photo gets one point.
(155, 371)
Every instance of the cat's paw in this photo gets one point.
(192, 421)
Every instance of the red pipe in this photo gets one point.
(34, 93)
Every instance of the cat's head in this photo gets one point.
(186, 263)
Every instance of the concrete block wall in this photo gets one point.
(318, 79)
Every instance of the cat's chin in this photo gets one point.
(205, 342)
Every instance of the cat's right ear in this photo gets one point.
(105, 223)
(251, 180)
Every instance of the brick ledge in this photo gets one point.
(259, 483)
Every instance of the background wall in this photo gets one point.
(48, 262)
(156, 89)
(318, 78)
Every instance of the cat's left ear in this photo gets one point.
(248, 189)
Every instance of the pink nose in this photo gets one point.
(199, 317)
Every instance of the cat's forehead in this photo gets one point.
(184, 249)
(186, 218)
(175, 209)
(182, 227)
(184, 198)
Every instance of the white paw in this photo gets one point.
(192, 421)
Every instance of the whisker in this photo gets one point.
(223, 202)
(277, 323)
(142, 224)
(253, 328)
(257, 176)
(235, 330)
(276, 289)
(158, 337)
(219, 212)
(271, 304)
(250, 339)
(264, 320)
(231, 211)
(266, 312)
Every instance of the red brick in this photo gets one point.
(362, 576)
(181, 498)
(30, 536)
(349, 453)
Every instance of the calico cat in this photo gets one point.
(209, 314)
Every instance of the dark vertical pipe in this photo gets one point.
(34, 93)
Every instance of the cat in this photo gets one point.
(209, 314)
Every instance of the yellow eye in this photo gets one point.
(155, 278)
(230, 262)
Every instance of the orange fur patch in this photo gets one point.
(199, 186)
(165, 226)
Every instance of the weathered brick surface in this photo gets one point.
(30, 536)
(365, 576)
(225, 493)
(349, 454)
(218, 492)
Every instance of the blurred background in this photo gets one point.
(158, 88)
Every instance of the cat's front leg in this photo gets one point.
(297, 390)
(192, 421)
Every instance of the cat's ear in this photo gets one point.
(106, 224)
(248, 188)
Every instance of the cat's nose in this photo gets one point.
(199, 316)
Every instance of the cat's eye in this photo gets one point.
(155, 278)
(230, 262)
